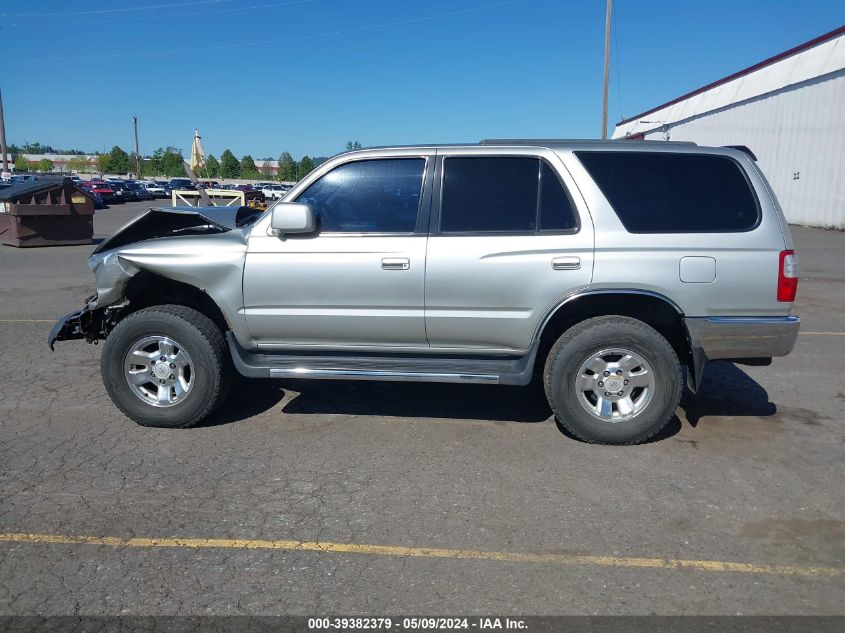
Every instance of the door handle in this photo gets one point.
(395, 263)
(566, 263)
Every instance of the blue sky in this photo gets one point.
(265, 76)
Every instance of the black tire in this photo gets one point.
(586, 339)
(201, 338)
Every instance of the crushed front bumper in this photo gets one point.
(91, 325)
(70, 327)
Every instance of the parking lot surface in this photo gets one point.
(354, 497)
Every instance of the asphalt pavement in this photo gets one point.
(377, 498)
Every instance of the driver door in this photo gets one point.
(359, 281)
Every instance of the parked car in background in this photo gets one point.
(181, 183)
(273, 192)
(251, 193)
(104, 190)
(123, 190)
(140, 190)
(155, 189)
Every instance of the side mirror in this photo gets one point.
(293, 217)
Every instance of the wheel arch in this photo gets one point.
(652, 308)
(147, 289)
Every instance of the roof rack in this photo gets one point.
(567, 141)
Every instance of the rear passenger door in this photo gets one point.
(510, 238)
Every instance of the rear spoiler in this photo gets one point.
(744, 149)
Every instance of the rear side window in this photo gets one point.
(674, 193)
(503, 195)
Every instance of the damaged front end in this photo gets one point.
(91, 325)
(197, 246)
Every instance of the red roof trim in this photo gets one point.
(766, 62)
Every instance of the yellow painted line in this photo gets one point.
(823, 333)
(423, 552)
(28, 320)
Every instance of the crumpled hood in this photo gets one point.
(177, 221)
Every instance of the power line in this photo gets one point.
(199, 49)
(169, 16)
(122, 10)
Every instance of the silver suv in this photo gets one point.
(611, 268)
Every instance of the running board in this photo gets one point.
(504, 370)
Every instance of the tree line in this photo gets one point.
(38, 148)
(169, 161)
(44, 165)
(229, 166)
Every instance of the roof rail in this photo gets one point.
(568, 141)
(744, 149)
(537, 141)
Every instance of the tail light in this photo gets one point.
(787, 276)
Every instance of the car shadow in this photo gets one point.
(420, 400)
(247, 398)
(726, 390)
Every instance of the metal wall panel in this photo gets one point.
(811, 63)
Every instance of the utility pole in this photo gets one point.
(4, 173)
(606, 68)
(137, 153)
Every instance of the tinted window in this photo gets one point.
(489, 194)
(512, 195)
(556, 211)
(674, 193)
(373, 196)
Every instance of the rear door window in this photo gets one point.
(503, 195)
(665, 192)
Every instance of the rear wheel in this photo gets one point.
(166, 366)
(613, 380)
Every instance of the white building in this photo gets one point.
(789, 110)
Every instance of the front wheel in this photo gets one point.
(613, 380)
(166, 366)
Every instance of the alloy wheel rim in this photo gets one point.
(159, 371)
(615, 384)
